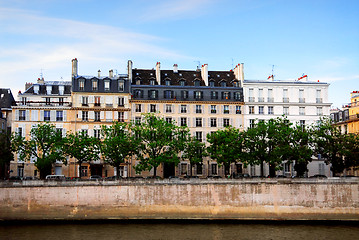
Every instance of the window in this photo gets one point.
(214, 169)
(121, 101)
(152, 82)
(182, 83)
(197, 83)
(270, 110)
(286, 110)
(23, 100)
(152, 108)
(251, 109)
(198, 108)
(138, 81)
(285, 96)
(238, 110)
(251, 92)
(169, 119)
(261, 110)
(94, 85)
(20, 171)
(236, 84)
(226, 95)
(302, 123)
(97, 116)
(223, 84)
(237, 95)
(319, 111)
(168, 108)
(213, 122)
(138, 107)
(199, 136)
(183, 121)
(225, 122)
(301, 96)
(226, 109)
(260, 95)
(121, 86)
(214, 95)
(183, 108)
(81, 85)
(138, 93)
(211, 83)
(83, 171)
(59, 116)
(183, 168)
(85, 115)
(97, 133)
(168, 83)
(319, 96)
(121, 116)
(213, 109)
(137, 120)
(198, 122)
(270, 95)
(47, 101)
(301, 110)
(19, 131)
(107, 85)
(199, 167)
(22, 115)
(46, 115)
(153, 94)
(198, 95)
(61, 101)
(251, 123)
(97, 101)
(168, 94)
(184, 94)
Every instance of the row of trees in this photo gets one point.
(156, 141)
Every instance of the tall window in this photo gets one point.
(61, 101)
(197, 83)
(261, 110)
(251, 93)
(198, 108)
(301, 110)
(48, 101)
(251, 109)
(226, 95)
(46, 115)
(85, 101)
(270, 95)
(237, 96)
(153, 108)
(251, 123)
(137, 120)
(97, 101)
(319, 111)
(121, 116)
(213, 122)
(270, 110)
(260, 95)
(94, 85)
(214, 95)
(168, 94)
(198, 95)
(238, 110)
(169, 119)
(81, 85)
(138, 107)
(286, 110)
(223, 84)
(121, 101)
(285, 95)
(184, 94)
(22, 115)
(59, 116)
(199, 136)
(97, 116)
(83, 171)
(213, 109)
(168, 108)
(319, 96)
(107, 85)
(121, 86)
(302, 123)
(152, 94)
(183, 121)
(211, 83)
(168, 82)
(97, 133)
(225, 122)
(183, 108)
(214, 169)
(198, 122)
(182, 83)
(301, 96)
(138, 93)
(85, 115)
(226, 109)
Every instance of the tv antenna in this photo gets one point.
(199, 64)
(41, 74)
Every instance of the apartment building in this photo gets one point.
(202, 100)
(302, 101)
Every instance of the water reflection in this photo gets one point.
(183, 230)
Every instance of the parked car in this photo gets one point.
(95, 177)
(113, 178)
(15, 178)
(318, 176)
(55, 177)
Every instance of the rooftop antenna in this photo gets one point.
(199, 64)
(41, 75)
(232, 63)
(273, 72)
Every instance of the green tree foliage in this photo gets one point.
(160, 142)
(5, 153)
(46, 144)
(118, 144)
(82, 147)
(268, 142)
(194, 152)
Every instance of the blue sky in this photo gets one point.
(319, 38)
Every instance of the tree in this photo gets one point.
(268, 142)
(82, 147)
(46, 144)
(118, 144)
(351, 151)
(5, 153)
(194, 152)
(226, 147)
(160, 142)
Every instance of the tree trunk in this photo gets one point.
(190, 171)
(262, 169)
(154, 171)
(80, 170)
(117, 171)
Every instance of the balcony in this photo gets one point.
(251, 99)
(213, 111)
(226, 111)
(319, 100)
(302, 100)
(261, 99)
(270, 99)
(43, 103)
(286, 100)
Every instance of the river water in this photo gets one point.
(180, 230)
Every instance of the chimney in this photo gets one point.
(74, 67)
(129, 70)
(204, 73)
(99, 73)
(238, 73)
(158, 73)
(40, 81)
(175, 68)
(27, 85)
(110, 73)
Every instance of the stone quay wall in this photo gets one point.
(256, 199)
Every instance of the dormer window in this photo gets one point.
(107, 85)
(81, 84)
(223, 84)
(121, 86)
(197, 83)
(168, 82)
(48, 90)
(182, 83)
(61, 90)
(138, 81)
(235, 84)
(211, 83)
(36, 89)
(152, 82)
(94, 85)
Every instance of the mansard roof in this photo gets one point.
(55, 88)
(6, 98)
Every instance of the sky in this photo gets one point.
(319, 38)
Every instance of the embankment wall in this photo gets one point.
(179, 199)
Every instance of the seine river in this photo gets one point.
(180, 230)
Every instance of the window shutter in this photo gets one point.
(80, 99)
(203, 122)
(23, 131)
(173, 94)
(164, 94)
(65, 116)
(102, 115)
(52, 115)
(91, 115)
(16, 115)
(102, 100)
(156, 94)
(125, 101)
(220, 122)
(125, 115)
(79, 114)
(194, 122)
(115, 115)
(41, 115)
(27, 116)
(188, 122)
(231, 121)
(91, 99)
